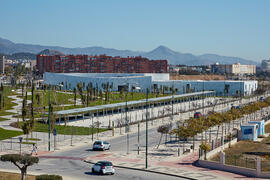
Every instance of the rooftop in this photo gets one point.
(122, 104)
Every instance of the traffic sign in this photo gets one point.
(54, 132)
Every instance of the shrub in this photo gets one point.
(49, 177)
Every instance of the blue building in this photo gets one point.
(260, 126)
(249, 132)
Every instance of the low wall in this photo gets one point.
(229, 168)
(234, 169)
(215, 151)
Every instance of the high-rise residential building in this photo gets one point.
(265, 65)
(99, 64)
(2, 64)
(233, 68)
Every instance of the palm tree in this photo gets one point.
(75, 95)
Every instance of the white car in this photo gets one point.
(101, 145)
(103, 167)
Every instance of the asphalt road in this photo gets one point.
(78, 169)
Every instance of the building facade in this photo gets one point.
(99, 64)
(151, 81)
(265, 66)
(233, 68)
(2, 64)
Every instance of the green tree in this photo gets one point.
(163, 129)
(20, 161)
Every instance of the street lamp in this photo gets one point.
(49, 119)
(20, 138)
(127, 121)
(146, 132)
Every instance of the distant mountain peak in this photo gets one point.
(161, 52)
(50, 52)
(162, 49)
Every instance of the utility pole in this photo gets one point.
(49, 126)
(172, 98)
(127, 121)
(146, 132)
(138, 137)
(92, 127)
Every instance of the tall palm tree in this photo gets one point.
(75, 95)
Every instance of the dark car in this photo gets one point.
(197, 115)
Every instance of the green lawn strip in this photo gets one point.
(8, 106)
(32, 139)
(64, 98)
(236, 154)
(67, 130)
(3, 119)
(5, 134)
(28, 142)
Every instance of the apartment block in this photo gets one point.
(2, 64)
(99, 64)
(233, 68)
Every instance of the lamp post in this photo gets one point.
(172, 99)
(20, 138)
(49, 118)
(49, 124)
(127, 121)
(146, 132)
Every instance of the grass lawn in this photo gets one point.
(7, 101)
(5, 134)
(3, 119)
(237, 154)
(67, 130)
(32, 139)
(14, 176)
(57, 99)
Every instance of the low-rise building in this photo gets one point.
(2, 64)
(265, 66)
(152, 81)
(233, 68)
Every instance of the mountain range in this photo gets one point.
(162, 52)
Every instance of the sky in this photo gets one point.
(225, 27)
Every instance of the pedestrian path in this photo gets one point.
(181, 166)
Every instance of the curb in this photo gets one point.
(145, 170)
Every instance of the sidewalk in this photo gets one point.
(175, 166)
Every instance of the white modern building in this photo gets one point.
(155, 81)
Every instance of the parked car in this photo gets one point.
(101, 145)
(262, 98)
(103, 167)
(235, 107)
(197, 115)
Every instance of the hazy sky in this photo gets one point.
(225, 27)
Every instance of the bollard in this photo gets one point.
(113, 128)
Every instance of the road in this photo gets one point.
(78, 169)
(60, 162)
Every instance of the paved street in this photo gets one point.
(68, 161)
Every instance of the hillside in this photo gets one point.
(161, 52)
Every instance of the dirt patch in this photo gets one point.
(196, 77)
(14, 176)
